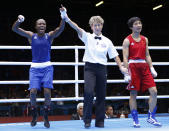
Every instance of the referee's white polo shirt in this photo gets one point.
(96, 50)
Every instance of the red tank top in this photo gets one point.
(137, 50)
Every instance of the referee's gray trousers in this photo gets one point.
(95, 76)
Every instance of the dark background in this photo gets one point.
(115, 14)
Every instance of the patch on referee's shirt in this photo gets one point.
(103, 45)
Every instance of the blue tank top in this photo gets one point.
(41, 48)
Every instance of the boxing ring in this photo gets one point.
(113, 124)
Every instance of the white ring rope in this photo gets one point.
(72, 81)
(79, 47)
(76, 81)
(72, 63)
(79, 98)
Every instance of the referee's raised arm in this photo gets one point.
(64, 15)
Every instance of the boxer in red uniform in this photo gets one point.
(137, 59)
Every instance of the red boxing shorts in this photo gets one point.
(141, 78)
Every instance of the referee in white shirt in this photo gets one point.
(95, 72)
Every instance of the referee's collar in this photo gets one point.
(100, 37)
(97, 35)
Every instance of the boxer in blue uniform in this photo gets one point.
(41, 71)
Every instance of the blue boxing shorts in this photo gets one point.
(41, 77)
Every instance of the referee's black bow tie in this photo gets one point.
(97, 37)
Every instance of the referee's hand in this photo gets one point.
(127, 78)
(123, 70)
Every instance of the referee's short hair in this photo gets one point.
(96, 19)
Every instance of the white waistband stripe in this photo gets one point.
(137, 61)
(41, 65)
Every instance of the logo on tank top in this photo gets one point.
(132, 43)
(35, 37)
(46, 37)
(132, 87)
